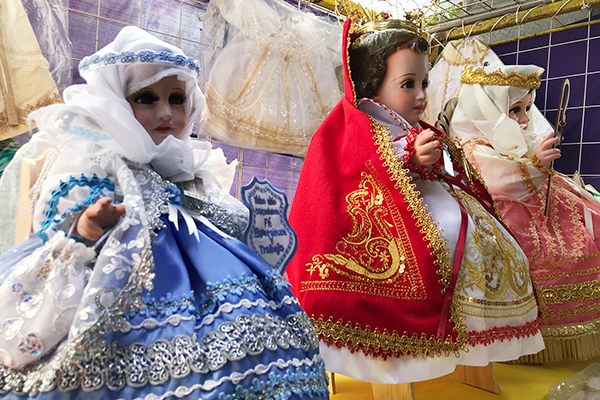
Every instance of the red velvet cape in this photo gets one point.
(371, 268)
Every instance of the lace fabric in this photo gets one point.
(108, 345)
(269, 74)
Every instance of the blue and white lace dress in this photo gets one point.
(167, 306)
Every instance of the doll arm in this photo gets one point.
(422, 153)
(97, 217)
(73, 185)
(546, 152)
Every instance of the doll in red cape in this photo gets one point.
(403, 262)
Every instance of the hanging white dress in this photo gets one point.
(274, 80)
(25, 81)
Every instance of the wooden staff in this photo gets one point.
(561, 121)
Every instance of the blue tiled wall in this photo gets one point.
(575, 54)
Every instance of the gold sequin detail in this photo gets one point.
(472, 75)
(501, 267)
(489, 311)
(570, 330)
(567, 273)
(582, 308)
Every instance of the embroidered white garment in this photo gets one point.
(269, 72)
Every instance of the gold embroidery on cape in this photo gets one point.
(385, 343)
(558, 253)
(403, 182)
(500, 267)
(390, 344)
(377, 251)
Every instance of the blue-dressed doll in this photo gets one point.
(129, 282)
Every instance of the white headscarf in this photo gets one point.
(482, 114)
(97, 117)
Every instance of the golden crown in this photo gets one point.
(473, 75)
(366, 22)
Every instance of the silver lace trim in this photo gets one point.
(226, 221)
(176, 319)
(156, 195)
(115, 366)
(235, 377)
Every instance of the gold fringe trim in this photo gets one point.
(385, 344)
(573, 349)
(7, 131)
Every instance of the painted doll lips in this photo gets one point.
(164, 129)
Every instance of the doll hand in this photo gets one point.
(98, 216)
(427, 149)
(546, 152)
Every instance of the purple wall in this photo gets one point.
(572, 53)
(575, 54)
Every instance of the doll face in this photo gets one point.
(519, 110)
(160, 108)
(404, 87)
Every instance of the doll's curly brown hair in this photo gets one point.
(368, 60)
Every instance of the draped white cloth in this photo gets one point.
(481, 117)
(25, 81)
(444, 78)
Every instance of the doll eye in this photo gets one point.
(146, 98)
(176, 99)
(528, 108)
(409, 84)
(515, 110)
(425, 84)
